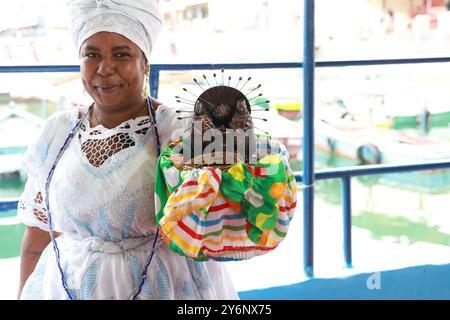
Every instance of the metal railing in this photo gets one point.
(308, 175)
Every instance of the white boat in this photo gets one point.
(371, 145)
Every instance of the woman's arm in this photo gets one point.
(34, 242)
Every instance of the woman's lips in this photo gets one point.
(110, 88)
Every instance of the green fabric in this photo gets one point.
(163, 190)
(257, 206)
(234, 190)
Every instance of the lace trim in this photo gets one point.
(98, 143)
(98, 151)
(127, 124)
(40, 213)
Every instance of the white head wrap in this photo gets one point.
(138, 20)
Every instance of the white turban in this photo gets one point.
(138, 20)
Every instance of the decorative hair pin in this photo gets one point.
(222, 108)
(223, 105)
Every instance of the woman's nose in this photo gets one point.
(106, 67)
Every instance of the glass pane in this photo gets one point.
(36, 32)
(380, 29)
(382, 114)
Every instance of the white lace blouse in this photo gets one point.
(101, 199)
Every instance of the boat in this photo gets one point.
(291, 110)
(433, 112)
(347, 137)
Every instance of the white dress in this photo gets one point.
(105, 212)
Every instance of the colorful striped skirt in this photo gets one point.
(233, 214)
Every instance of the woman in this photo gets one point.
(91, 177)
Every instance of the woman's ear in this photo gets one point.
(146, 65)
(145, 90)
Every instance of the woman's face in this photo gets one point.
(112, 70)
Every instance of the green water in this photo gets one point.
(10, 233)
(400, 228)
(11, 187)
(404, 207)
(10, 240)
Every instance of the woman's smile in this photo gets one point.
(107, 88)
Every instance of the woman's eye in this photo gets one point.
(122, 54)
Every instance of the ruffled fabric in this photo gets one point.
(237, 214)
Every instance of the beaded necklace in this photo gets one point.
(47, 185)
